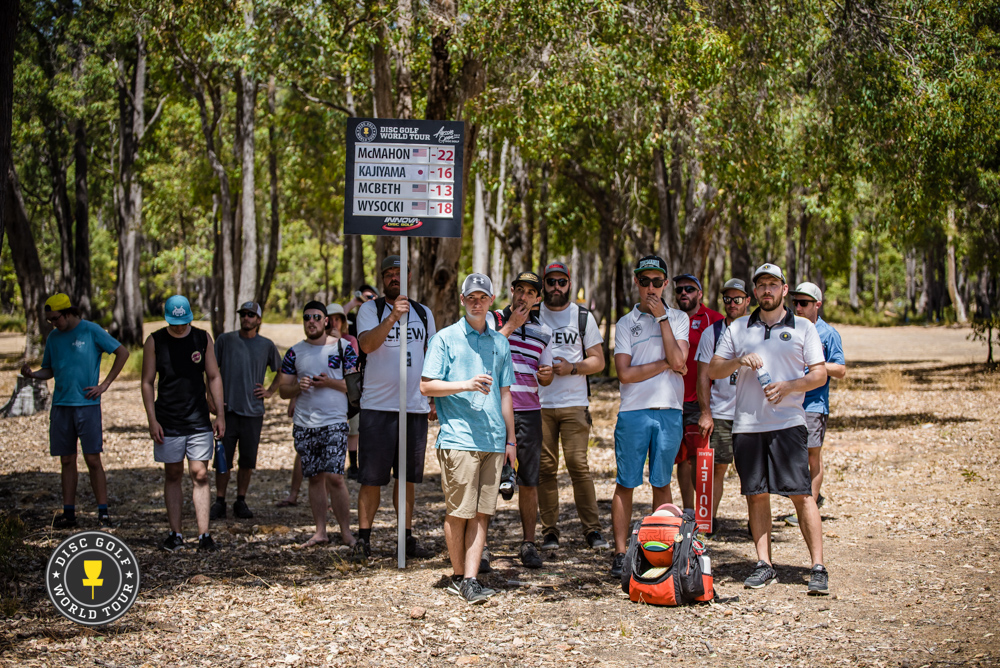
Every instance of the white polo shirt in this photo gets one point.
(723, 401)
(786, 349)
(638, 334)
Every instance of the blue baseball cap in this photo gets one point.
(177, 310)
(690, 277)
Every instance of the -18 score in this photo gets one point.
(440, 209)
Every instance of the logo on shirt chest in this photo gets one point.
(636, 329)
(785, 336)
(196, 356)
(79, 345)
(696, 324)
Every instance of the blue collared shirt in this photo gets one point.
(469, 420)
(818, 400)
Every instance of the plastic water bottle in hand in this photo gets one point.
(478, 398)
(763, 377)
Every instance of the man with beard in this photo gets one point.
(770, 440)
(650, 351)
(717, 399)
(532, 358)
(379, 324)
(244, 357)
(687, 289)
(313, 373)
(576, 353)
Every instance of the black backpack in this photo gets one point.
(363, 356)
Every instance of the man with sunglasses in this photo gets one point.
(364, 293)
(576, 353)
(380, 323)
(244, 356)
(770, 440)
(651, 349)
(717, 399)
(73, 357)
(313, 372)
(808, 299)
(687, 289)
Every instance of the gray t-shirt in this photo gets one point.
(242, 364)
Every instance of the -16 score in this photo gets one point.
(441, 174)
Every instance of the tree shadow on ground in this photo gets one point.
(897, 421)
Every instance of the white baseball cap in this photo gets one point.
(809, 290)
(768, 269)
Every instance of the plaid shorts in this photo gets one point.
(321, 449)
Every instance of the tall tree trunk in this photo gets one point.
(699, 221)
(382, 98)
(128, 310)
(82, 215)
(925, 296)
(8, 33)
(911, 287)
(791, 222)
(480, 233)
(876, 294)
(248, 259)
(953, 293)
(852, 280)
(274, 238)
(668, 199)
(61, 207)
(543, 220)
(716, 268)
(739, 246)
(27, 265)
(403, 54)
(499, 220)
(803, 261)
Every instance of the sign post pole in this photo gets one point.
(404, 345)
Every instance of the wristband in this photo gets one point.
(662, 318)
(512, 444)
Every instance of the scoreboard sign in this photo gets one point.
(404, 177)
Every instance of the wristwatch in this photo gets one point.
(573, 372)
(662, 318)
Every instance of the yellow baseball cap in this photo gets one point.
(58, 302)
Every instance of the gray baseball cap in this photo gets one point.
(768, 269)
(477, 283)
(389, 262)
(809, 290)
(735, 284)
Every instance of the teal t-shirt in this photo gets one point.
(470, 420)
(75, 360)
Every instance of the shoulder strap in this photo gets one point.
(718, 327)
(421, 312)
(582, 317)
(379, 308)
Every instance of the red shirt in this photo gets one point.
(700, 321)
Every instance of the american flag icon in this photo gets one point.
(419, 153)
(419, 187)
(418, 206)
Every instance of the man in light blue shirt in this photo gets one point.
(807, 299)
(463, 363)
(73, 357)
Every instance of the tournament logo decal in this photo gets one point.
(92, 578)
(785, 336)
(366, 131)
(400, 224)
(196, 356)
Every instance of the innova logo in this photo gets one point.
(395, 224)
(92, 578)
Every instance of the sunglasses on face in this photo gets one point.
(561, 282)
(55, 319)
(733, 300)
(313, 316)
(681, 289)
(247, 314)
(803, 303)
(645, 281)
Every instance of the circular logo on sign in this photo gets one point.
(366, 131)
(196, 356)
(785, 336)
(92, 578)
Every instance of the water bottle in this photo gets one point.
(478, 398)
(220, 457)
(763, 377)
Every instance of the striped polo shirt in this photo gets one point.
(529, 349)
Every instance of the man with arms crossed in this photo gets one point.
(565, 409)
(73, 357)
(179, 421)
(529, 348)
(378, 451)
(770, 440)
(313, 372)
(808, 298)
(717, 399)
(651, 350)
(469, 369)
(244, 356)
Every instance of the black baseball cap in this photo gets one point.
(556, 268)
(650, 262)
(529, 277)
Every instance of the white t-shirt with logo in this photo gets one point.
(723, 401)
(638, 334)
(568, 391)
(381, 386)
(786, 350)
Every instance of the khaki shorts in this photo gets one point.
(470, 481)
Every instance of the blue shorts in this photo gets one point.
(655, 434)
(69, 423)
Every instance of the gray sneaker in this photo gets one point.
(763, 575)
(473, 592)
(550, 542)
(454, 587)
(529, 555)
(819, 581)
(791, 520)
(596, 541)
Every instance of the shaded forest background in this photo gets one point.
(198, 147)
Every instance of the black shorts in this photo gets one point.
(245, 431)
(773, 462)
(528, 432)
(378, 447)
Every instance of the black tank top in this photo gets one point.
(181, 407)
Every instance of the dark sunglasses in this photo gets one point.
(247, 314)
(561, 282)
(312, 316)
(803, 302)
(733, 300)
(681, 289)
(644, 281)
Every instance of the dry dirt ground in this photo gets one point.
(910, 528)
